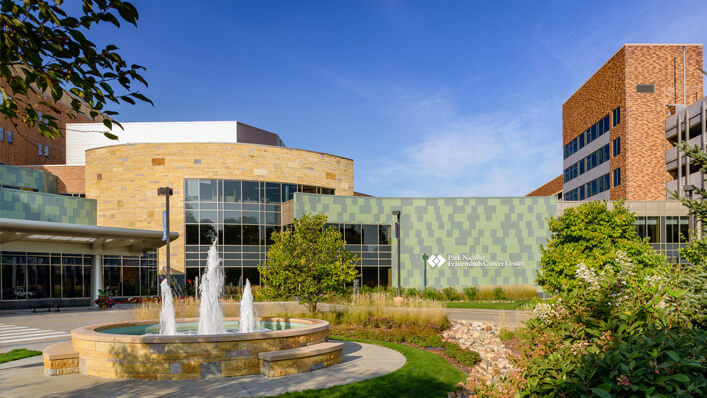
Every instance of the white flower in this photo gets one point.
(587, 275)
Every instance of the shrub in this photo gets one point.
(450, 293)
(432, 294)
(464, 357)
(593, 235)
(471, 292)
(621, 332)
(498, 293)
(412, 292)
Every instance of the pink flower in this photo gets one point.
(623, 381)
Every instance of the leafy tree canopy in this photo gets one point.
(44, 53)
(308, 261)
(591, 234)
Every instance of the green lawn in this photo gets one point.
(515, 305)
(423, 375)
(17, 354)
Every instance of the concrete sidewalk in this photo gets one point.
(24, 378)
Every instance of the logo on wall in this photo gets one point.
(436, 260)
(468, 260)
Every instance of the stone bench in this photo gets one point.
(60, 359)
(300, 360)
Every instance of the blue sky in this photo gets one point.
(430, 98)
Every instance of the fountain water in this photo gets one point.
(211, 286)
(168, 326)
(249, 319)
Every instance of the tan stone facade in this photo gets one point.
(124, 179)
(641, 131)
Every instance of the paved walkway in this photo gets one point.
(24, 378)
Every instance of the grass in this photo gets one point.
(513, 305)
(18, 354)
(423, 375)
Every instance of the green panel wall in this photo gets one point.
(499, 229)
(21, 177)
(40, 206)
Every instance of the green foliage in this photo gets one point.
(498, 293)
(450, 293)
(18, 354)
(471, 292)
(620, 332)
(432, 294)
(45, 51)
(591, 234)
(692, 280)
(461, 355)
(308, 262)
(412, 292)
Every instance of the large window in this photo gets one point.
(592, 133)
(130, 275)
(241, 217)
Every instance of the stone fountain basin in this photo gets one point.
(179, 357)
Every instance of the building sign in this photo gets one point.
(467, 260)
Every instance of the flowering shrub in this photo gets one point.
(622, 331)
(104, 299)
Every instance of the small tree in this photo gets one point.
(309, 261)
(591, 234)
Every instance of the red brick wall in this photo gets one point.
(646, 112)
(642, 157)
(550, 188)
(70, 179)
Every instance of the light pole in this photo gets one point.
(424, 273)
(167, 192)
(396, 213)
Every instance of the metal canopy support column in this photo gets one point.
(97, 277)
(679, 130)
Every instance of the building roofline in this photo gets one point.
(617, 52)
(286, 148)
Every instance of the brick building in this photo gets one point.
(613, 126)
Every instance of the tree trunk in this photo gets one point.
(312, 307)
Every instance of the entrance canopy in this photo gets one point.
(92, 237)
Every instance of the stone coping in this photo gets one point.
(92, 333)
(55, 352)
(300, 352)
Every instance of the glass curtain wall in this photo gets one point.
(665, 234)
(45, 275)
(126, 276)
(241, 216)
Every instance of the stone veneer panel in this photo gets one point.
(124, 178)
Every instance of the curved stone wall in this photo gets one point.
(124, 178)
(186, 356)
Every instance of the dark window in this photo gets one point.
(352, 234)
(207, 234)
(131, 281)
(370, 234)
(231, 191)
(384, 234)
(616, 116)
(251, 235)
(46, 151)
(2, 134)
(192, 232)
(309, 189)
(9, 136)
(652, 230)
(39, 149)
(269, 230)
(272, 192)
(645, 88)
(232, 235)
(617, 177)
(251, 192)
(288, 191)
(617, 146)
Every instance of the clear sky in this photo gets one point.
(430, 98)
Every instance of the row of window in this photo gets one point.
(593, 160)
(234, 277)
(238, 191)
(670, 229)
(592, 133)
(44, 275)
(44, 152)
(9, 136)
(594, 187)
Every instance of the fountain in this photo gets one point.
(248, 322)
(168, 326)
(210, 346)
(210, 311)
